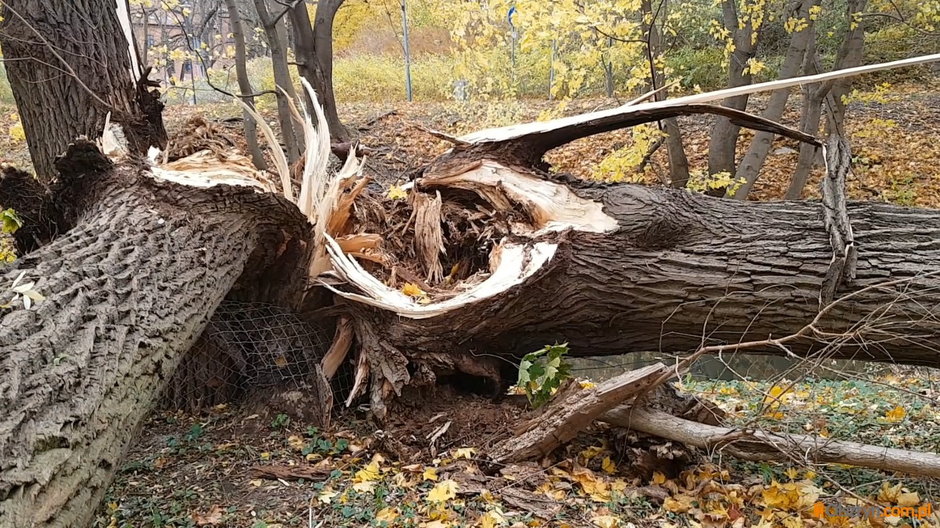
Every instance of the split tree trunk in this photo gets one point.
(651, 269)
(70, 63)
(127, 291)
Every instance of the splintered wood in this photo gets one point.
(572, 410)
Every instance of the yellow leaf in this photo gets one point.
(591, 452)
(395, 192)
(443, 491)
(16, 131)
(587, 384)
(678, 504)
(889, 493)
(596, 488)
(296, 443)
(370, 473)
(364, 487)
(895, 415)
(792, 473)
(492, 519)
(430, 474)
(658, 478)
(412, 290)
(387, 514)
(606, 521)
(908, 499)
(608, 466)
(464, 452)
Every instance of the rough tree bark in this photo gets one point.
(69, 65)
(314, 49)
(679, 270)
(616, 268)
(127, 291)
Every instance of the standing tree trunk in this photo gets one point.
(314, 50)
(850, 55)
(244, 83)
(276, 34)
(678, 162)
(800, 43)
(144, 45)
(127, 291)
(69, 67)
(724, 134)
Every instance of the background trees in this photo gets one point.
(68, 80)
(132, 299)
(559, 50)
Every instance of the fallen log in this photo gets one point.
(572, 410)
(758, 445)
(140, 264)
(619, 268)
(100, 317)
(636, 401)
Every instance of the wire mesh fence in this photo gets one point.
(249, 347)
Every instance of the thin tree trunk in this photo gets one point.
(127, 292)
(678, 162)
(753, 160)
(759, 445)
(276, 34)
(724, 134)
(244, 83)
(813, 97)
(314, 49)
(850, 55)
(66, 79)
(144, 45)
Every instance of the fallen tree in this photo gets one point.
(614, 268)
(488, 257)
(119, 298)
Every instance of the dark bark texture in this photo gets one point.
(724, 135)
(127, 291)
(244, 83)
(682, 271)
(69, 65)
(314, 50)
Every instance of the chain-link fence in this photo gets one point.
(249, 347)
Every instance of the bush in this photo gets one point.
(381, 78)
(699, 67)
